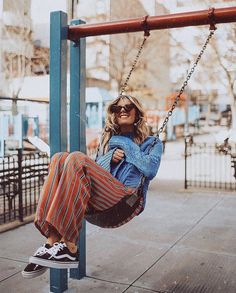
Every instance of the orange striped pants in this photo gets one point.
(74, 183)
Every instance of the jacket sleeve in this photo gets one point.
(105, 160)
(148, 164)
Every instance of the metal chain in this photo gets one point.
(185, 83)
(146, 35)
(133, 65)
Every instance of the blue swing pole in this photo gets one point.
(58, 110)
(77, 126)
(58, 117)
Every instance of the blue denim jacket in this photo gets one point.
(138, 161)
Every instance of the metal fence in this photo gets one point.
(210, 165)
(21, 179)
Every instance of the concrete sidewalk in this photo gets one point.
(183, 242)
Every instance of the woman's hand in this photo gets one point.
(118, 155)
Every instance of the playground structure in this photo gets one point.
(76, 32)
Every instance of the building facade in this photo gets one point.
(16, 48)
(109, 58)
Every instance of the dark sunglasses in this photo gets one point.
(117, 109)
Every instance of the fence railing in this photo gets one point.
(22, 176)
(21, 179)
(210, 165)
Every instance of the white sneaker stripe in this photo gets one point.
(63, 256)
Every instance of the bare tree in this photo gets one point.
(151, 75)
(123, 50)
(216, 69)
(17, 50)
(20, 56)
(224, 59)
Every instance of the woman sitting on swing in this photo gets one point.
(78, 187)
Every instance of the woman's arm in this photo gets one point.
(105, 160)
(148, 164)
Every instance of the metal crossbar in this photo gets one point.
(193, 18)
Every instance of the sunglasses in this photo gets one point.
(117, 109)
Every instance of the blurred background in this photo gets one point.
(207, 108)
(208, 104)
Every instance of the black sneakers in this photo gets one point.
(58, 257)
(33, 270)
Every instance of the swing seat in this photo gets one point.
(115, 215)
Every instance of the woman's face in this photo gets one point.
(126, 115)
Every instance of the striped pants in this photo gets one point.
(74, 184)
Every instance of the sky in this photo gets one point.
(40, 12)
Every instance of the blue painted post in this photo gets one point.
(58, 110)
(77, 126)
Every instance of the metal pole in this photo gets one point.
(77, 127)
(187, 95)
(196, 18)
(185, 162)
(20, 184)
(58, 82)
(58, 110)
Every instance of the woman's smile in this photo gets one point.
(125, 119)
(124, 115)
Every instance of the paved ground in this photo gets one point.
(183, 242)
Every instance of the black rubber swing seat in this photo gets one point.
(115, 215)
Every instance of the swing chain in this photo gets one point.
(133, 66)
(185, 83)
(144, 24)
(146, 35)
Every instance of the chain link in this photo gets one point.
(185, 83)
(146, 35)
(133, 65)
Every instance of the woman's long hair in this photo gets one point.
(141, 130)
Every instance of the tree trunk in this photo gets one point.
(232, 132)
(233, 103)
(233, 111)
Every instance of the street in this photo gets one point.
(183, 242)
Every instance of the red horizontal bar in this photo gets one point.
(195, 18)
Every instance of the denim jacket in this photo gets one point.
(139, 160)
